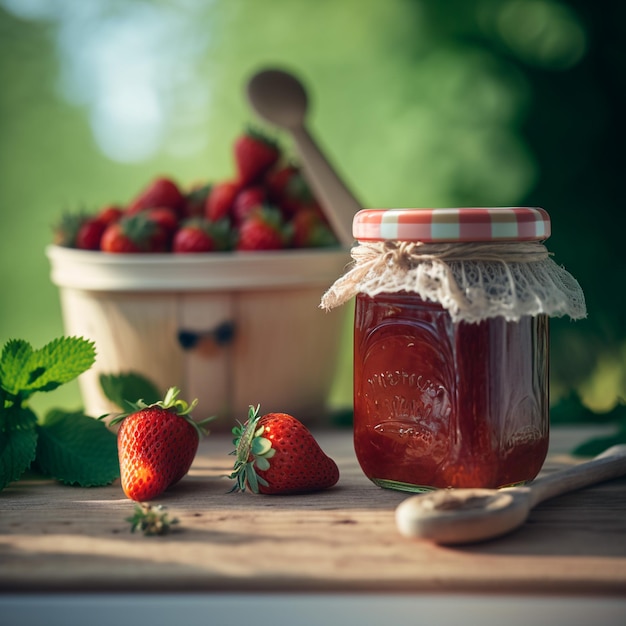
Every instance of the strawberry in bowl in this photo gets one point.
(266, 205)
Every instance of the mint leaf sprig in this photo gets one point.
(23, 370)
(71, 447)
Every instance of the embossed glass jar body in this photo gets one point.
(451, 343)
(439, 403)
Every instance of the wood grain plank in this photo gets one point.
(54, 537)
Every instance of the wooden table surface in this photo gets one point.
(59, 538)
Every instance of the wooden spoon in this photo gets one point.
(455, 516)
(279, 98)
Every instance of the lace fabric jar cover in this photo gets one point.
(451, 344)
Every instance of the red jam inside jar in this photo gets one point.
(442, 404)
(441, 400)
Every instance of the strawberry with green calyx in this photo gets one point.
(277, 454)
(135, 233)
(278, 180)
(195, 200)
(263, 229)
(193, 237)
(255, 154)
(246, 201)
(109, 214)
(200, 235)
(167, 222)
(82, 230)
(65, 231)
(165, 217)
(288, 189)
(312, 230)
(157, 444)
(117, 239)
(89, 234)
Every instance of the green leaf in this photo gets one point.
(262, 463)
(260, 446)
(13, 362)
(77, 449)
(24, 371)
(128, 387)
(18, 443)
(14, 417)
(252, 477)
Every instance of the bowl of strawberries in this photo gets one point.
(214, 288)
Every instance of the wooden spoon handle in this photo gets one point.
(610, 464)
(340, 204)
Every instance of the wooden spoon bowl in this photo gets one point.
(456, 516)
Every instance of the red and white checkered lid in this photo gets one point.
(452, 225)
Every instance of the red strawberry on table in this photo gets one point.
(255, 153)
(277, 454)
(156, 445)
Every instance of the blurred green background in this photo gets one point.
(417, 102)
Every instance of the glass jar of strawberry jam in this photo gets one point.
(451, 344)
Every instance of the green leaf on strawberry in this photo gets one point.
(171, 401)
